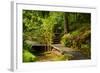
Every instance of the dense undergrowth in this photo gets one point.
(72, 29)
(79, 39)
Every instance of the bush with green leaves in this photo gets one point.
(85, 49)
(26, 46)
(66, 40)
(28, 57)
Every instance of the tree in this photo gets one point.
(66, 23)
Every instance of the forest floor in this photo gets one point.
(76, 54)
(50, 56)
(68, 54)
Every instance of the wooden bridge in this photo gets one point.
(77, 55)
(58, 49)
(61, 49)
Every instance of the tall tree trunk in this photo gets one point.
(75, 17)
(66, 23)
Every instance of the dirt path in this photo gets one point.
(63, 48)
(77, 55)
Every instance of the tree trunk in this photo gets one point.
(66, 24)
(75, 17)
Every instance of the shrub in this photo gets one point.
(85, 49)
(75, 33)
(26, 46)
(28, 57)
(66, 40)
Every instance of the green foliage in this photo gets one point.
(85, 46)
(81, 35)
(78, 39)
(28, 57)
(85, 49)
(26, 46)
(75, 33)
(41, 26)
(66, 40)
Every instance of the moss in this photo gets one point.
(28, 57)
